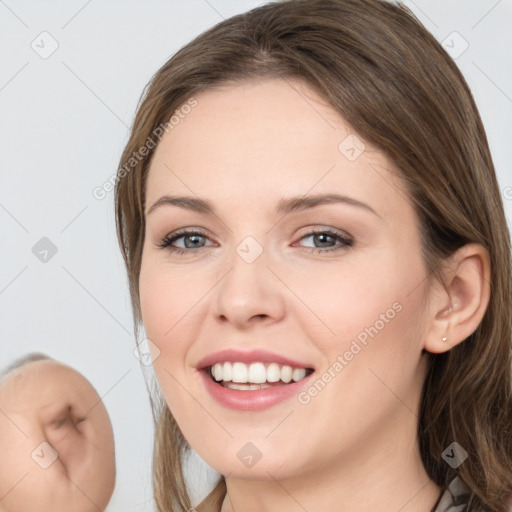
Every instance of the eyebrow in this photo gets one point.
(284, 206)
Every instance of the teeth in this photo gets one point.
(246, 387)
(217, 372)
(273, 372)
(298, 374)
(255, 373)
(227, 372)
(240, 372)
(286, 374)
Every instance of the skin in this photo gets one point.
(35, 402)
(354, 446)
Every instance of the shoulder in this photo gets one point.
(456, 498)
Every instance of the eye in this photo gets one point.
(195, 239)
(328, 236)
(191, 238)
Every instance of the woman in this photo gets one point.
(312, 227)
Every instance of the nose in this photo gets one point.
(250, 293)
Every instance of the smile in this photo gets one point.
(254, 376)
(254, 396)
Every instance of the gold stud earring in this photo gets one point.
(444, 338)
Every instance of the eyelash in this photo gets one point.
(168, 240)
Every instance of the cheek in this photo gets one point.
(378, 320)
(158, 304)
(350, 298)
(170, 308)
(174, 300)
(165, 296)
(374, 314)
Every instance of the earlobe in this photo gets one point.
(458, 311)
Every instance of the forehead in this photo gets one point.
(267, 139)
(243, 127)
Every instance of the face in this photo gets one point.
(56, 441)
(333, 289)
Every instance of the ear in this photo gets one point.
(458, 306)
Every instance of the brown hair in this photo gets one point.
(381, 70)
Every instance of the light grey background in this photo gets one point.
(64, 121)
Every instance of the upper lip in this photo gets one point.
(250, 356)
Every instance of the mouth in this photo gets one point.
(254, 376)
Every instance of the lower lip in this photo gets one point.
(255, 400)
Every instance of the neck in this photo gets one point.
(386, 474)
